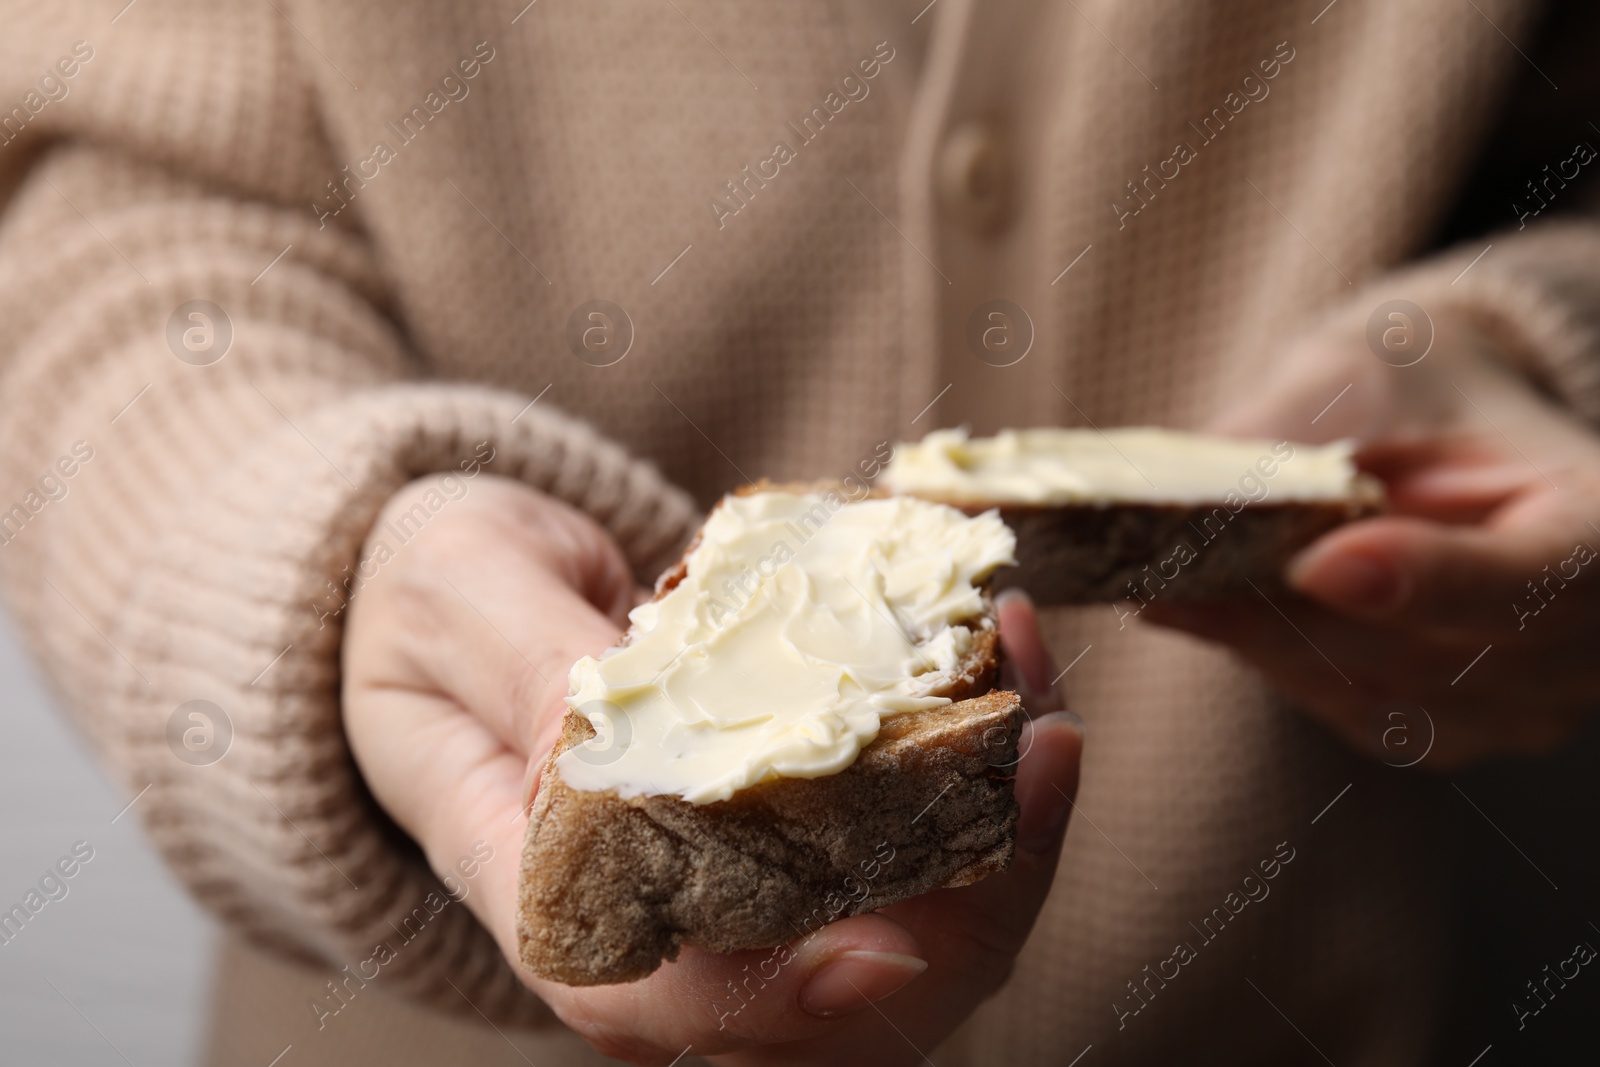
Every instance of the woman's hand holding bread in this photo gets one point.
(455, 673)
(1477, 598)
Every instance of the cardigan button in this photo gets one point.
(975, 177)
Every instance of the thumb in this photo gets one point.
(1472, 578)
(1028, 666)
(1003, 907)
(994, 917)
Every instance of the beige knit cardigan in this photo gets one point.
(402, 209)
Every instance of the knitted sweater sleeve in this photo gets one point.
(183, 485)
(1534, 290)
(1537, 291)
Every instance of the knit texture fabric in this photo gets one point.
(405, 211)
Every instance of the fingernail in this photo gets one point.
(1016, 679)
(1046, 809)
(1072, 718)
(1352, 580)
(1008, 595)
(852, 980)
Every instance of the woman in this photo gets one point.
(513, 293)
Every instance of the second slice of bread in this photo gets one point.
(1094, 553)
(1194, 517)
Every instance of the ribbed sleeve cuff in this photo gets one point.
(279, 835)
(1535, 293)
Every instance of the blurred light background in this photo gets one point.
(128, 952)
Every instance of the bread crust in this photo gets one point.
(610, 887)
(1088, 553)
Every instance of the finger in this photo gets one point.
(475, 609)
(1405, 571)
(971, 935)
(1317, 655)
(1033, 668)
(713, 1003)
(1345, 673)
(1296, 658)
(517, 638)
(1292, 644)
(1349, 675)
(807, 991)
(499, 649)
(1046, 789)
(1354, 683)
(994, 917)
(1449, 478)
(461, 784)
(454, 788)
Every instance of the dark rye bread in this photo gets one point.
(1095, 553)
(611, 887)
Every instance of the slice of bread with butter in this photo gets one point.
(1140, 513)
(801, 725)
